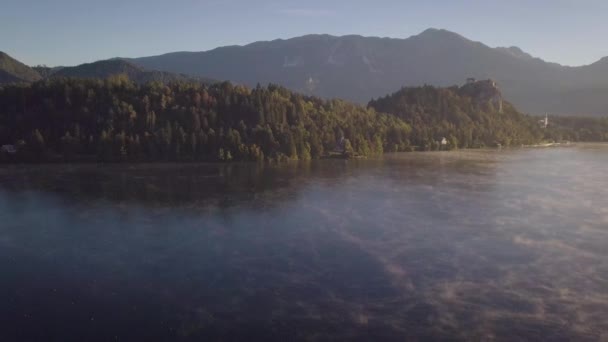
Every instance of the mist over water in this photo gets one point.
(473, 245)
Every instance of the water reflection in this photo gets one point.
(478, 245)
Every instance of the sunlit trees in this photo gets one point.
(116, 119)
(434, 113)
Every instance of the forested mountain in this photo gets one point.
(117, 119)
(107, 68)
(470, 116)
(13, 71)
(360, 68)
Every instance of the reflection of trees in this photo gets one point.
(474, 170)
(226, 185)
(221, 185)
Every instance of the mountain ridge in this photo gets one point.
(105, 68)
(13, 71)
(358, 68)
(326, 35)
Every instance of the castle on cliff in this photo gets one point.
(485, 93)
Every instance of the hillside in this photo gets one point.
(474, 115)
(122, 120)
(46, 71)
(106, 68)
(360, 68)
(13, 71)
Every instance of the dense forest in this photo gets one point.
(577, 129)
(469, 120)
(116, 119)
(465, 121)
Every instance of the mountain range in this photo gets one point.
(358, 68)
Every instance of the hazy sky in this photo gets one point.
(69, 32)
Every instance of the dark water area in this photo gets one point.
(474, 245)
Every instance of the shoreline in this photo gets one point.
(92, 161)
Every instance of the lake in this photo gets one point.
(470, 245)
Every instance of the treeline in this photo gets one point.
(577, 129)
(116, 119)
(464, 121)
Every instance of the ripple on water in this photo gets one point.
(473, 245)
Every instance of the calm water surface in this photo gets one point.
(476, 245)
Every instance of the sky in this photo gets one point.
(71, 32)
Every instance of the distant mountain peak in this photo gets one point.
(434, 33)
(430, 30)
(515, 52)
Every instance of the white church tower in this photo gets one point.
(545, 122)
